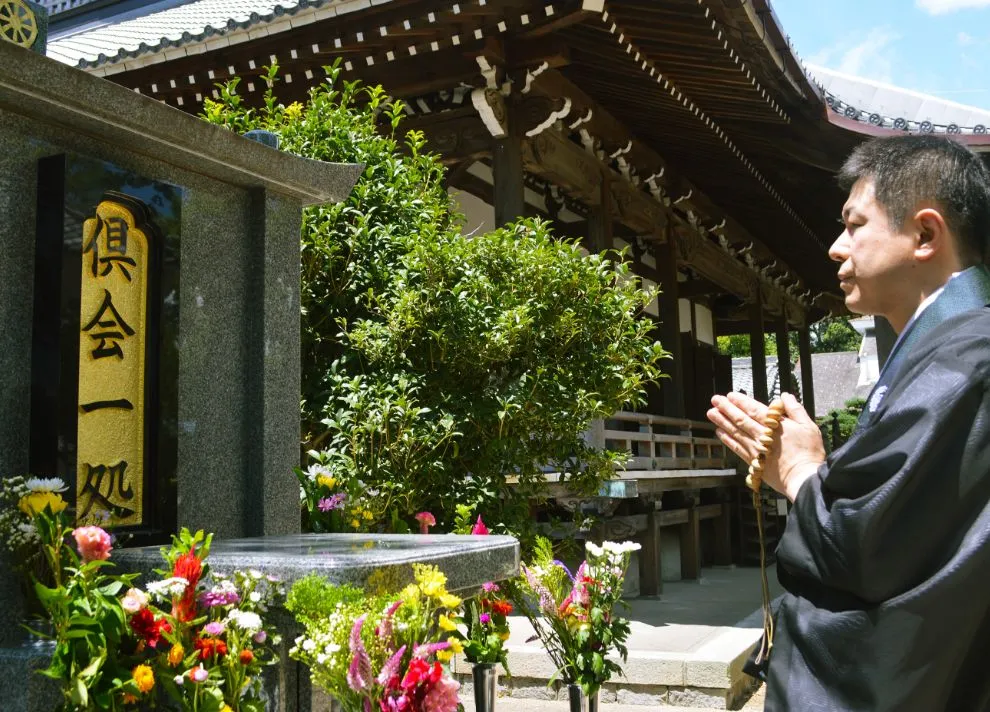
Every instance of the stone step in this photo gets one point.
(679, 665)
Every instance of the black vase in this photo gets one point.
(485, 676)
(580, 702)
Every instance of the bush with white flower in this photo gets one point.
(574, 614)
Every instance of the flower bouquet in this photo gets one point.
(573, 614)
(379, 652)
(93, 660)
(332, 503)
(202, 635)
(22, 499)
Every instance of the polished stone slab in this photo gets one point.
(467, 560)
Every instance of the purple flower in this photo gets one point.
(223, 594)
(328, 504)
(391, 666)
(489, 587)
(485, 619)
(213, 628)
(427, 649)
(260, 637)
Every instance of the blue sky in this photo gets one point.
(939, 47)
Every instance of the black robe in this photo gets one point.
(886, 556)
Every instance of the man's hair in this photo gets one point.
(909, 170)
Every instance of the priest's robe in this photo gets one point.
(885, 559)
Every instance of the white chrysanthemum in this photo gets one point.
(594, 549)
(245, 620)
(315, 471)
(332, 648)
(167, 588)
(255, 574)
(309, 645)
(619, 549)
(46, 484)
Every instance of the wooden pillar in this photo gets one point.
(784, 355)
(507, 173)
(691, 546)
(600, 221)
(756, 348)
(650, 581)
(886, 337)
(723, 536)
(807, 375)
(670, 328)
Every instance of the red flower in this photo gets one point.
(246, 656)
(502, 608)
(190, 567)
(146, 627)
(479, 527)
(208, 647)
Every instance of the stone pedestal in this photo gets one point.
(467, 561)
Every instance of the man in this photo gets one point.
(886, 556)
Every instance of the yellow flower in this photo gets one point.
(294, 110)
(410, 594)
(504, 636)
(444, 656)
(226, 708)
(35, 503)
(446, 623)
(431, 581)
(355, 523)
(326, 480)
(144, 678)
(176, 654)
(449, 600)
(455, 646)
(368, 515)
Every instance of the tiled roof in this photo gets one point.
(883, 105)
(742, 376)
(152, 35)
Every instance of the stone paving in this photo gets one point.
(685, 651)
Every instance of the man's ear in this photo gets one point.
(932, 234)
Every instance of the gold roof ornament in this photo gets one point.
(18, 23)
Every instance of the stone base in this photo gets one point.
(22, 687)
(710, 676)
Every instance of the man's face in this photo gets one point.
(876, 258)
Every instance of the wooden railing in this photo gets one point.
(656, 442)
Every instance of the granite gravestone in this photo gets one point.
(149, 296)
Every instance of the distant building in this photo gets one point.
(838, 377)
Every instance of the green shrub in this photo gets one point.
(436, 364)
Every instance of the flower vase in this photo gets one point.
(485, 676)
(580, 702)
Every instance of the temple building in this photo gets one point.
(687, 131)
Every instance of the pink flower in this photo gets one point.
(198, 674)
(359, 671)
(489, 587)
(485, 619)
(426, 520)
(479, 527)
(134, 600)
(93, 543)
(442, 697)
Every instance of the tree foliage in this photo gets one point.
(826, 336)
(436, 364)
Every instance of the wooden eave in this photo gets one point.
(728, 169)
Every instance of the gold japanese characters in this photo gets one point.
(113, 322)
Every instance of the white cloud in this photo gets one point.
(872, 56)
(940, 7)
(965, 39)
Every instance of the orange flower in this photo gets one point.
(176, 654)
(246, 656)
(144, 677)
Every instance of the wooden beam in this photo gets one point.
(614, 136)
(507, 171)
(459, 136)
